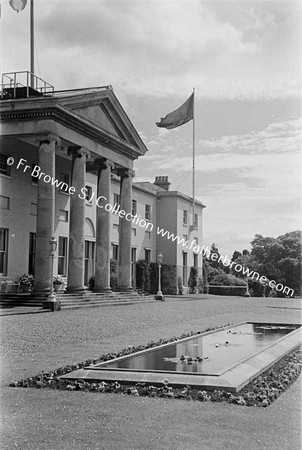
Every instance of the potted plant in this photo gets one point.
(58, 283)
(26, 282)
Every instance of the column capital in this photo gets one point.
(125, 173)
(78, 152)
(47, 138)
(102, 163)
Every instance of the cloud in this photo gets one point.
(233, 151)
(250, 182)
(159, 48)
(281, 137)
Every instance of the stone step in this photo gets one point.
(13, 303)
(101, 295)
(73, 301)
(94, 300)
(102, 304)
(105, 300)
(90, 297)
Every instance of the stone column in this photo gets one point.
(45, 213)
(102, 261)
(124, 281)
(75, 280)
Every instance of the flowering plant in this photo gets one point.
(27, 280)
(58, 280)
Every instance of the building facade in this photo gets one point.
(66, 171)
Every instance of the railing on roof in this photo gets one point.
(12, 82)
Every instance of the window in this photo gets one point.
(148, 234)
(88, 194)
(63, 215)
(184, 268)
(147, 256)
(133, 230)
(185, 237)
(196, 240)
(33, 209)
(64, 177)
(32, 253)
(3, 250)
(134, 207)
(116, 199)
(4, 167)
(195, 259)
(195, 220)
(148, 212)
(62, 256)
(4, 202)
(116, 227)
(185, 217)
(115, 251)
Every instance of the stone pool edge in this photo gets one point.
(232, 380)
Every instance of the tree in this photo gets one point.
(236, 255)
(279, 259)
(290, 268)
(214, 263)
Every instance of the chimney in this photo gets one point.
(162, 182)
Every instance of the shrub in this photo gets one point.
(206, 288)
(193, 279)
(256, 288)
(91, 283)
(113, 274)
(180, 286)
(142, 276)
(200, 285)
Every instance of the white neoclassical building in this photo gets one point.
(66, 171)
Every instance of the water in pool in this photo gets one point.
(212, 353)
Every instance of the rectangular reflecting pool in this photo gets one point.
(211, 353)
(225, 358)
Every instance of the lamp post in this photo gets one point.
(51, 302)
(159, 295)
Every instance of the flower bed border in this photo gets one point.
(260, 392)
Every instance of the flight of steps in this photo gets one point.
(76, 301)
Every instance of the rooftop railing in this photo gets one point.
(26, 82)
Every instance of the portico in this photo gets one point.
(89, 132)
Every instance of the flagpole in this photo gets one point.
(32, 59)
(193, 177)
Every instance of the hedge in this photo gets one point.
(227, 290)
(142, 276)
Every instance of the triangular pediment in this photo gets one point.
(103, 110)
(97, 115)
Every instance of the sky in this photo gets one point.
(243, 59)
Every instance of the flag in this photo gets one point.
(180, 116)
